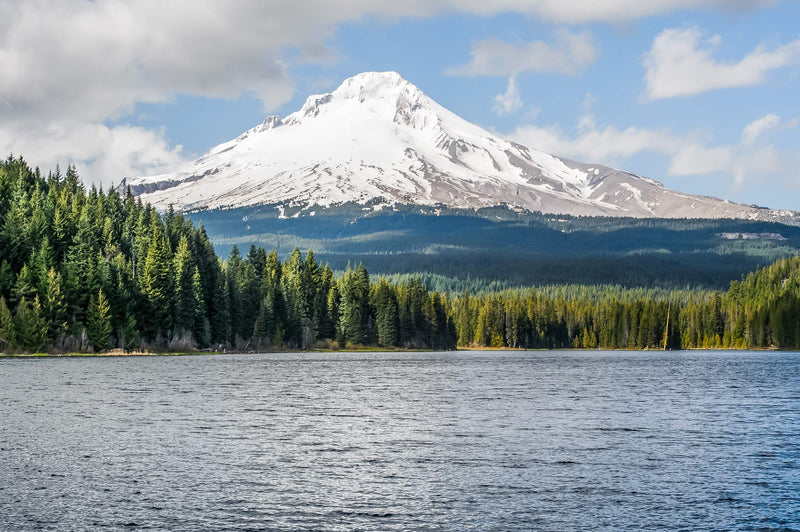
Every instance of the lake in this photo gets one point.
(559, 440)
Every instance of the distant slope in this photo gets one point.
(378, 140)
(502, 248)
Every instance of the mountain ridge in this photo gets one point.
(379, 140)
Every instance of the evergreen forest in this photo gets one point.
(497, 248)
(85, 270)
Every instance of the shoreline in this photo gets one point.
(359, 349)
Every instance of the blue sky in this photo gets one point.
(699, 94)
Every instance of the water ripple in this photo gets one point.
(402, 441)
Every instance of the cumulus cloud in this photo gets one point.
(736, 161)
(691, 154)
(757, 128)
(681, 63)
(510, 101)
(102, 154)
(609, 11)
(97, 59)
(81, 64)
(569, 54)
(697, 159)
(607, 145)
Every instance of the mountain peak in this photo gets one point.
(375, 84)
(386, 92)
(378, 140)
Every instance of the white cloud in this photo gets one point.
(102, 154)
(608, 145)
(758, 127)
(697, 159)
(610, 11)
(69, 66)
(510, 101)
(569, 54)
(681, 63)
(73, 58)
(691, 154)
(95, 60)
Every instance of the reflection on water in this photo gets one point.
(409, 441)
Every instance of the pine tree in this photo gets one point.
(263, 328)
(54, 307)
(130, 336)
(220, 315)
(355, 310)
(386, 315)
(249, 287)
(323, 322)
(98, 322)
(30, 326)
(25, 285)
(6, 278)
(334, 300)
(43, 261)
(232, 295)
(310, 278)
(202, 326)
(157, 284)
(8, 334)
(185, 299)
(62, 226)
(16, 235)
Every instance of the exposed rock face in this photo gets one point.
(378, 137)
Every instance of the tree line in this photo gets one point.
(92, 270)
(89, 270)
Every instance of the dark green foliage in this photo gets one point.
(77, 264)
(201, 326)
(6, 278)
(98, 321)
(157, 284)
(8, 334)
(761, 311)
(185, 289)
(30, 328)
(25, 286)
(61, 245)
(495, 249)
(54, 306)
(387, 320)
(354, 307)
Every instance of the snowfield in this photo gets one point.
(379, 138)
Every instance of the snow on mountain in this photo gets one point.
(379, 138)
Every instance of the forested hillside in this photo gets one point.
(497, 247)
(84, 270)
(761, 311)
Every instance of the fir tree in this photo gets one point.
(263, 327)
(25, 285)
(185, 297)
(386, 315)
(54, 307)
(354, 308)
(202, 326)
(98, 322)
(29, 325)
(6, 278)
(8, 334)
(157, 284)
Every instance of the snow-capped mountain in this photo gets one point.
(378, 139)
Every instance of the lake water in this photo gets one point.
(402, 441)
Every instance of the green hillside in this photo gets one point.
(502, 249)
